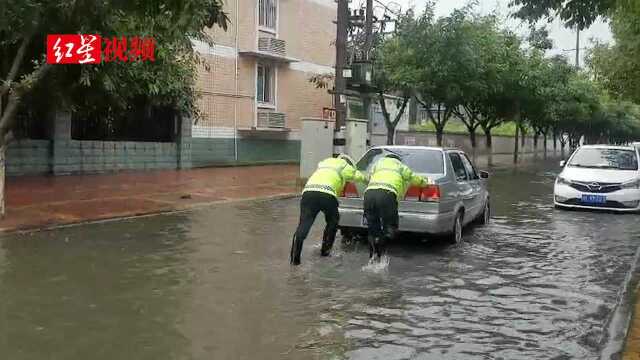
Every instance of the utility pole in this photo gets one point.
(368, 46)
(368, 28)
(577, 48)
(341, 52)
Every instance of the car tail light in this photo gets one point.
(430, 193)
(350, 190)
(426, 193)
(413, 193)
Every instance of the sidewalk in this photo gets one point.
(632, 344)
(43, 201)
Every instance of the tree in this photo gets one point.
(580, 13)
(391, 74)
(617, 66)
(25, 24)
(483, 40)
(444, 46)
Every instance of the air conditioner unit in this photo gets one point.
(272, 46)
(271, 119)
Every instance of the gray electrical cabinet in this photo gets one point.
(356, 138)
(316, 144)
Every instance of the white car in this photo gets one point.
(600, 177)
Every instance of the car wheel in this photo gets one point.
(456, 235)
(485, 217)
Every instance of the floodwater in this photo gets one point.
(215, 283)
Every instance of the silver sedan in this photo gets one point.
(458, 198)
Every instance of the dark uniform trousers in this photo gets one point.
(311, 204)
(381, 212)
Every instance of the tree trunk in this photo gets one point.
(488, 140)
(391, 134)
(439, 135)
(516, 143)
(535, 142)
(555, 141)
(472, 137)
(544, 143)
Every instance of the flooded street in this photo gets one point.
(216, 283)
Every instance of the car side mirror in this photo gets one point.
(563, 163)
(484, 175)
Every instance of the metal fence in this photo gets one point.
(156, 124)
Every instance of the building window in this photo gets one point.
(268, 13)
(265, 84)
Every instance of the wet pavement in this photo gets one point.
(215, 283)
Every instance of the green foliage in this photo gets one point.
(458, 127)
(109, 87)
(617, 66)
(580, 13)
(466, 65)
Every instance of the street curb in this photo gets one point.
(177, 210)
(618, 326)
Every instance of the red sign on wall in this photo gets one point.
(328, 114)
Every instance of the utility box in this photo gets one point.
(356, 138)
(316, 144)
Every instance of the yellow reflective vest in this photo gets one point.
(392, 175)
(331, 176)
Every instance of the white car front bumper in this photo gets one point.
(624, 200)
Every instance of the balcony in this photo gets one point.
(270, 49)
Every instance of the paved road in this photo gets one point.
(216, 284)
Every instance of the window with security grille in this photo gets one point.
(268, 13)
(265, 84)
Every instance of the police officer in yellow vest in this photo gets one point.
(389, 182)
(321, 194)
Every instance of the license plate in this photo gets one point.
(594, 199)
(364, 220)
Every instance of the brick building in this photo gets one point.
(253, 93)
(257, 86)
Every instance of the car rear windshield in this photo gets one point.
(602, 158)
(419, 160)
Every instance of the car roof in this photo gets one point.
(411, 147)
(618, 147)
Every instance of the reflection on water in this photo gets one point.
(216, 284)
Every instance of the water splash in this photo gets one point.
(377, 266)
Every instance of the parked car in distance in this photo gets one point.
(600, 177)
(457, 198)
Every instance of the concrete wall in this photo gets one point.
(105, 156)
(29, 157)
(212, 151)
(35, 157)
(501, 144)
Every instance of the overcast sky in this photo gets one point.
(564, 39)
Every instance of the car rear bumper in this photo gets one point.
(429, 223)
(626, 200)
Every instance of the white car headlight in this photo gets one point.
(562, 181)
(635, 184)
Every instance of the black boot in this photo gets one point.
(327, 244)
(372, 246)
(296, 250)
